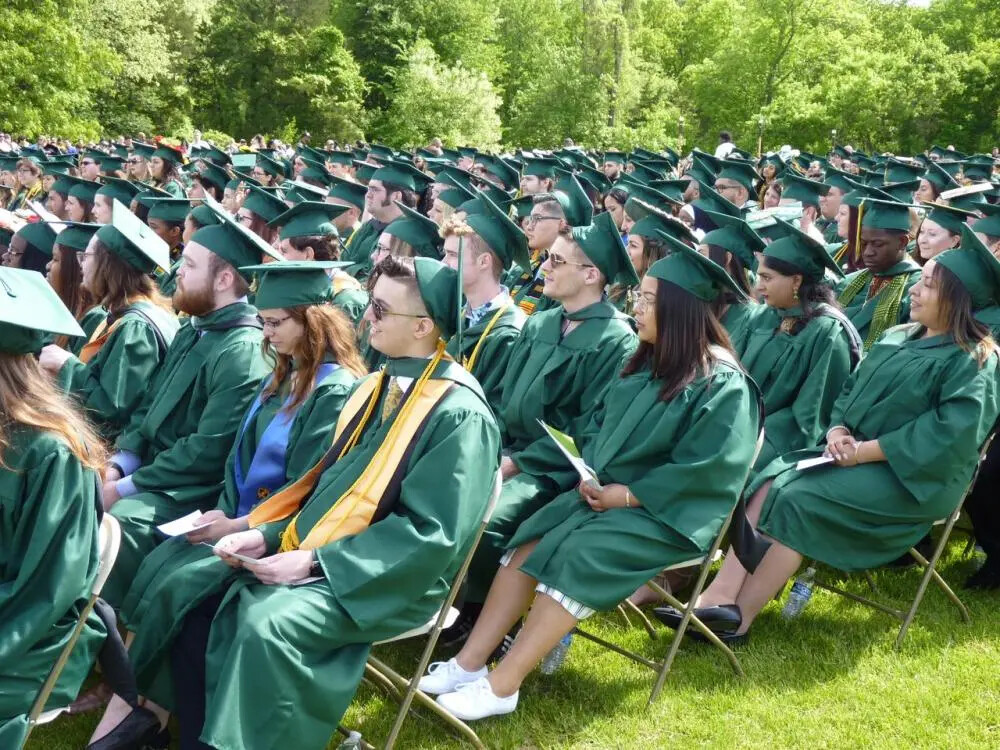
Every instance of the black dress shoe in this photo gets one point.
(137, 730)
(730, 638)
(987, 578)
(458, 632)
(723, 618)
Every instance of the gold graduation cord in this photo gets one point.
(486, 332)
(319, 534)
(857, 234)
(285, 502)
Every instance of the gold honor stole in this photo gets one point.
(101, 334)
(373, 493)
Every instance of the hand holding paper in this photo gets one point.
(568, 448)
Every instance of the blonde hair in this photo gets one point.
(456, 226)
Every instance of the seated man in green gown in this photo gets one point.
(558, 372)
(379, 526)
(487, 243)
(170, 459)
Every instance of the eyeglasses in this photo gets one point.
(272, 323)
(88, 163)
(532, 219)
(721, 188)
(558, 260)
(135, 160)
(244, 219)
(379, 311)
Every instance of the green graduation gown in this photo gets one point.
(526, 287)
(359, 248)
(353, 301)
(490, 367)
(930, 406)
(738, 320)
(562, 381)
(685, 460)
(183, 430)
(800, 375)
(861, 309)
(176, 576)
(112, 384)
(308, 644)
(48, 562)
(88, 322)
(167, 280)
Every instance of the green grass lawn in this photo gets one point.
(829, 679)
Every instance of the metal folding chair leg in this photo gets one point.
(650, 630)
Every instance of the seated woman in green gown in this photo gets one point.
(734, 246)
(285, 431)
(64, 276)
(113, 369)
(905, 437)
(50, 461)
(800, 348)
(671, 450)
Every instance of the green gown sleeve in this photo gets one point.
(232, 380)
(374, 574)
(54, 544)
(936, 445)
(111, 386)
(802, 423)
(312, 433)
(490, 368)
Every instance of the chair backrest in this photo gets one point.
(109, 541)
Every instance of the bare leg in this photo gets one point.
(547, 623)
(725, 588)
(507, 600)
(778, 565)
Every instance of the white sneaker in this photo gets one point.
(446, 676)
(476, 700)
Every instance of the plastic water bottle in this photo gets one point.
(353, 742)
(800, 594)
(554, 659)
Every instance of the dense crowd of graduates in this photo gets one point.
(330, 354)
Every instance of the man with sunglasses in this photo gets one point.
(558, 370)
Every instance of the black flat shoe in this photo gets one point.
(987, 578)
(160, 742)
(723, 618)
(136, 731)
(730, 638)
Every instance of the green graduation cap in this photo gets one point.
(173, 210)
(800, 250)
(990, 223)
(296, 192)
(217, 156)
(438, 285)
(739, 171)
(949, 217)
(145, 150)
(500, 169)
(976, 268)
(839, 179)
(76, 235)
(455, 177)
(860, 192)
(347, 191)
(968, 197)
(111, 163)
(890, 215)
(133, 241)
(169, 153)
(344, 158)
(541, 166)
(595, 178)
(269, 166)
(57, 167)
(615, 157)
(706, 162)
(502, 235)
(245, 161)
(693, 272)
(379, 149)
(232, 241)
(309, 152)
(522, 206)
(402, 174)
(654, 220)
(79, 188)
(902, 171)
(118, 189)
(308, 219)
(644, 174)
(978, 167)
(265, 204)
(673, 189)
(804, 190)
(647, 194)
(211, 173)
(902, 191)
(456, 196)
(951, 167)
(293, 283)
(710, 200)
(863, 161)
(39, 235)
(30, 311)
(840, 151)
(602, 244)
(939, 177)
(417, 230)
(946, 153)
(736, 236)
(575, 203)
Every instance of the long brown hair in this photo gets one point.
(118, 283)
(28, 398)
(67, 285)
(327, 331)
(955, 305)
(685, 328)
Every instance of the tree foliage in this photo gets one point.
(884, 74)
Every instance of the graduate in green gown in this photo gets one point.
(488, 243)
(383, 566)
(801, 347)
(165, 165)
(286, 430)
(170, 459)
(65, 277)
(670, 447)
(558, 372)
(114, 368)
(877, 297)
(905, 437)
(308, 233)
(49, 501)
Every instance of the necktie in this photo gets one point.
(392, 399)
